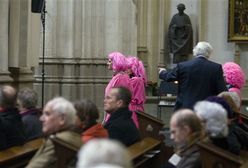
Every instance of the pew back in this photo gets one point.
(66, 149)
(145, 153)
(215, 157)
(152, 127)
(19, 156)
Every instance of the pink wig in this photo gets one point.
(142, 71)
(119, 62)
(137, 67)
(133, 64)
(234, 75)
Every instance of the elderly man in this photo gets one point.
(197, 79)
(120, 125)
(186, 130)
(11, 127)
(58, 116)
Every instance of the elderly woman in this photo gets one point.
(27, 102)
(118, 64)
(214, 119)
(232, 138)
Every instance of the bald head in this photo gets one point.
(187, 117)
(8, 96)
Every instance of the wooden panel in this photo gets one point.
(153, 127)
(19, 156)
(66, 149)
(215, 157)
(145, 153)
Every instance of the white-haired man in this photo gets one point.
(197, 79)
(58, 116)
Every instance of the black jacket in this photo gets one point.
(32, 124)
(121, 127)
(11, 128)
(197, 79)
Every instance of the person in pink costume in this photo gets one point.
(136, 72)
(118, 64)
(234, 77)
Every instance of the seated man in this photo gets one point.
(120, 125)
(11, 126)
(186, 130)
(58, 116)
(27, 101)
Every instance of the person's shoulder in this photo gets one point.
(214, 64)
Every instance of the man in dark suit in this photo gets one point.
(120, 125)
(11, 126)
(197, 79)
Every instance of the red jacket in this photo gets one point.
(96, 131)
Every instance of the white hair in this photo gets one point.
(214, 116)
(64, 107)
(203, 49)
(103, 152)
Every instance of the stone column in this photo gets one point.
(79, 35)
(24, 42)
(4, 22)
(151, 34)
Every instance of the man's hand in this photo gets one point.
(161, 69)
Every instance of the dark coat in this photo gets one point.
(11, 128)
(32, 124)
(121, 127)
(190, 158)
(197, 79)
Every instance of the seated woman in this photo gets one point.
(27, 102)
(215, 122)
(241, 128)
(232, 138)
(87, 115)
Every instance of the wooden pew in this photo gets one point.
(145, 154)
(19, 156)
(66, 150)
(151, 127)
(142, 153)
(215, 157)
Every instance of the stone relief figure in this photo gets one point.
(180, 35)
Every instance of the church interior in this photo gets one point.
(60, 48)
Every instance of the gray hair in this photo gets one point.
(62, 106)
(203, 49)
(214, 116)
(28, 98)
(103, 151)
